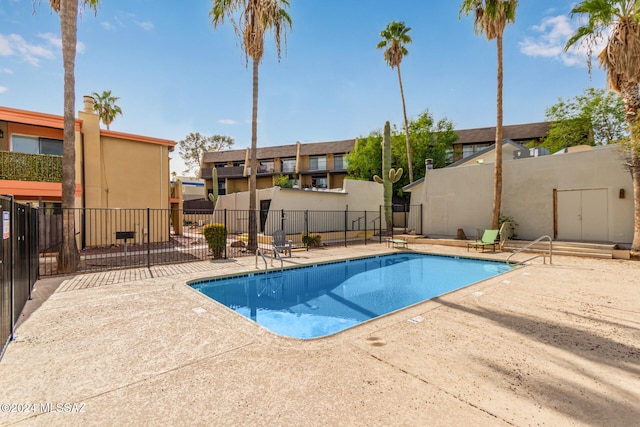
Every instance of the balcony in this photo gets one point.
(230, 171)
(30, 167)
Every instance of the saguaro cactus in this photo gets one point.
(214, 196)
(390, 176)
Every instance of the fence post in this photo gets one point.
(28, 243)
(380, 218)
(365, 228)
(227, 230)
(282, 218)
(149, 238)
(405, 217)
(12, 222)
(306, 227)
(346, 219)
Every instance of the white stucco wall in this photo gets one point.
(462, 197)
(356, 197)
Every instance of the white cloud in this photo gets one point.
(14, 44)
(227, 122)
(553, 33)
(5, 47)
(146, 25)
(3, 89)
(108, 26)
(6, 70)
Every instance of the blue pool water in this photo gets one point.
(319, 300)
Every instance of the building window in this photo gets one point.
(25, 144)
(265, 166)
(339, 162)
(52, 208)
(288, 165)
(468, 150)
(317, 163)
(222, 188)
(319, 182)
(35, 145)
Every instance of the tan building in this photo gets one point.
(113, 169)
(319, 166)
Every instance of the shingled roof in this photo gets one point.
(516, 133)
(282, 151)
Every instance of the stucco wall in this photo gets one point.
(357, 196)
(462, 197)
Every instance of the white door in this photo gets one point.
(583, 215)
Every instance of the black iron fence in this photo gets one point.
(124, 238)
(18, 263)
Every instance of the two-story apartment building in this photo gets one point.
(113, 170)
(320, 165)
(472, 141)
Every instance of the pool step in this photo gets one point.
(581, 249)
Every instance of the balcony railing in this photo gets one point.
(230, 171)
(30, 167)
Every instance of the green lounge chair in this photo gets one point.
(488, 239)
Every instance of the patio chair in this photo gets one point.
(488, 239)
(280, 242)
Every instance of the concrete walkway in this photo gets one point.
(541, 345)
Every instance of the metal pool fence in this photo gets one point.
(125, 238)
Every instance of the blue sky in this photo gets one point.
(175, 74)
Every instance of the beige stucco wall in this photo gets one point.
(125, 174)
(121, 172)
(462, 197)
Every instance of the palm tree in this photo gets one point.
(251, 20)
(68, 10)
(105, 105)
(491, 17)
(394, 38)
(618, 22)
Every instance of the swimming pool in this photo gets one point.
(322, 299)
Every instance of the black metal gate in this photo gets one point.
(19, 261)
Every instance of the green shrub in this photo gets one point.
(311, 240)
(283, 181)
(511, 230)
(216, 236)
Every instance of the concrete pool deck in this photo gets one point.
(541, 345)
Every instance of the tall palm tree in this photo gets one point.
(252, 20)
(394, 38)
(105, 105)
(491, 17)
(68, 10)
(618, 22)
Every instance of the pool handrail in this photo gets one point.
(542, 254)
(276, 254)
(266, 265)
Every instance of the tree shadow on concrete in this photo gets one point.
(575, 400)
